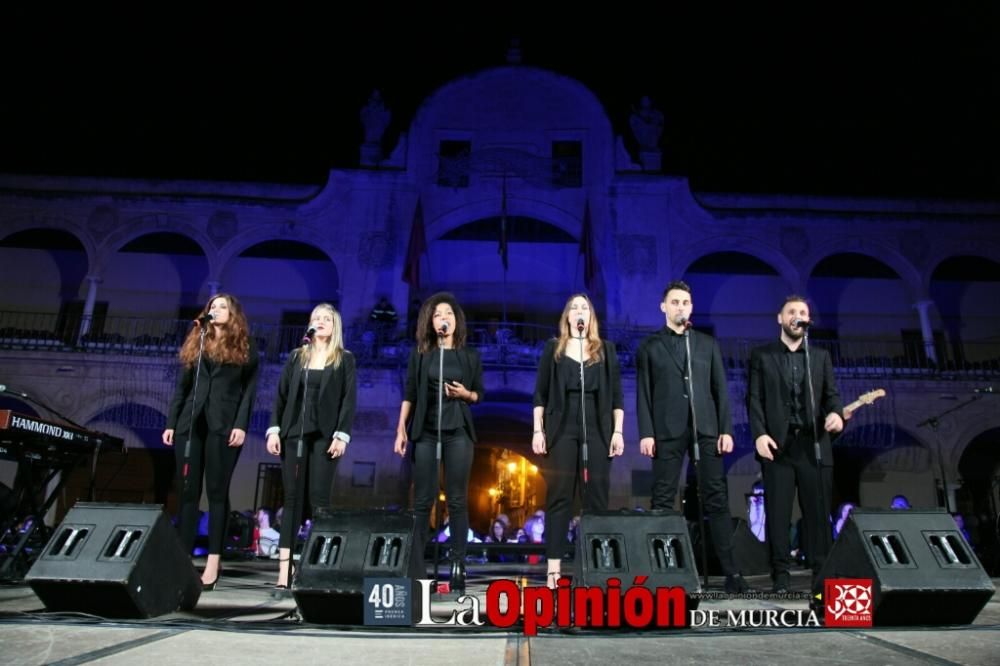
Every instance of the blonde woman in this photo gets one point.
(323, 373)
(559, 428)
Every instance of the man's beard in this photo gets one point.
(793, 333)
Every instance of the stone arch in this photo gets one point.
(156, 223)
(300, 272)
(892, 258)
(29, 223)
(745, 245)
(44, 267)
(157, 272)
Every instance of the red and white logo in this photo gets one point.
(848, 602)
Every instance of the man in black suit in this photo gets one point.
(786, 424)
(667, 415)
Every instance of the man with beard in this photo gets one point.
(785, 428)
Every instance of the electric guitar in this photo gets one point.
(863, 399)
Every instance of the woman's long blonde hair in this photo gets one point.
(335, 348)
(595, 350)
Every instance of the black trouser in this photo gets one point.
(712, 487)
(562, 468)
(209, 453)
(795, 465)
(456, 453)
(316, 469)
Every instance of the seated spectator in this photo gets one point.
(756, 515)
(843, 513)
(900, 503)
(267, 536)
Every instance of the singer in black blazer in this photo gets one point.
(571, 411)
(778, 407)
(441, 336)
(663, 408)
(215, 421)
(225, 395)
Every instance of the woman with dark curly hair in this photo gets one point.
(208, 419)
(441, 366)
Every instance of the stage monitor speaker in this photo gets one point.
(115, 560)
(344, 548)
(922, 570)
(626, 544)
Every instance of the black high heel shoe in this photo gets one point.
(457, 580)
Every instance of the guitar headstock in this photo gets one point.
(871, 396)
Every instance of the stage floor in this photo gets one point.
(239, 622)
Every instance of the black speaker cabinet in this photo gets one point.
(115, 560)
(623, 545)
(922, 569)
(344, 548)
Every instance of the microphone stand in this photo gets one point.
(437, 462)
(584, 448)
(186, 470)
(300, 494)
(824, 527)
(934, 422)
(696, 453)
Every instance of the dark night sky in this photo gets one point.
(877, 101)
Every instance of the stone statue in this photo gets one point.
(375, 117)
(647, 125)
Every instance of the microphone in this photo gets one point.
(205, 319)
(685, 322)
(443, 331)
(988, 389)
(579, 324)
(801, 323)
(308, 337)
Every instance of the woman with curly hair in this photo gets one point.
(208, 419)
(567, 414)
(441, 336)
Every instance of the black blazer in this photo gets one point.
(417, 387)
(225, 393)
(769, 395)
(550, 392)
(661, 389)
(338, 392)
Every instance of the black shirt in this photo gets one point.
(795, 375)
(312, 380)
(451, 413)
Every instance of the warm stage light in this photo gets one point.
(493, 492)
(512, 467)
(534, 469)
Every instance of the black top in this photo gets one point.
(795, 375)
(226, 392)
(768, 403)
(662, 402)
(418, 393)
(451, 416)
(336, 396)
(315, 379)
(552, 392)
(569, 374)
